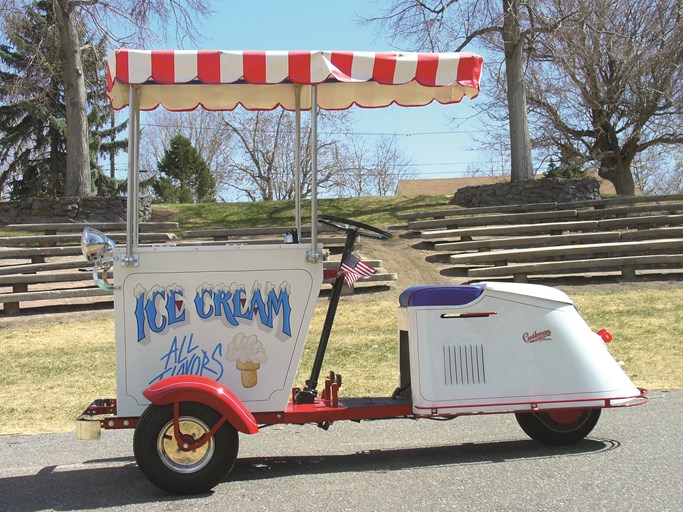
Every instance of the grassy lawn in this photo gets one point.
(380, 211)
(53, 370)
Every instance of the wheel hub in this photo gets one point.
(178, 459)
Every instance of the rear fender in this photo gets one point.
(192, 388)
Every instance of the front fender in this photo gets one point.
(192, 388)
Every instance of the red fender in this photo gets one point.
(192, 388)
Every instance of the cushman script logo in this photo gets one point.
(536, 336)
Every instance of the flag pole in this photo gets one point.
(308, 394)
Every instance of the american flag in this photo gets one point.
(355, 269)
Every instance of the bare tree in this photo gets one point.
(262, 149)
(606, 85)
(659, 170)
(353, 170)
(251, 154)
(497, 151)
(136, 16)
(505, 26)
(389, 166)
(366, 169)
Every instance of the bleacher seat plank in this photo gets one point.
(70, 227)
(566, 250)
(28, 252)
(530, 241)
(515, 208)
(45, 277)
(648, 234)
(73, 238)
(518, 229)
(522, 270)
(672, 208)
(332, 241)
(70, 293)
(647, 221)
(619, 201)
(485, 220)
(478, 210)
(43, 267)
(548, 240)
(641, 222)
(227, 233)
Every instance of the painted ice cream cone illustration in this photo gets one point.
(249, 373)
(248, 355)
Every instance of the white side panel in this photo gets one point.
(238, 314)
(529, 349)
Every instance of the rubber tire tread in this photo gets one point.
(533, 425)
(153, 419)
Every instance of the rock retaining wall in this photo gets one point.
(69, 209)
(546, 190)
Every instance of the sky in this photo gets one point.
(439, 140)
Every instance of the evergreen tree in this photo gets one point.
(184, 176)
(33, 111)
(32, 143)
(567, 172)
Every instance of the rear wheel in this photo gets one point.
(560, 426)
(176, 471)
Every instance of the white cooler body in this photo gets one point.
(495, 347)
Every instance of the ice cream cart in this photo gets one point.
(209, 338)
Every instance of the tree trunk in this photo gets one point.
(78, 181)
(520, 145)
(619, 174)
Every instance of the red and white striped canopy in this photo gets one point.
(264, 80)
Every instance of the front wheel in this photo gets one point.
(558, 427)
(176, 471)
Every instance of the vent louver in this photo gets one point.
(463, 365)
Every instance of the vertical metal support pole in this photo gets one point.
(297, 159)
(132, 204)
(312, 382)
(314, 256)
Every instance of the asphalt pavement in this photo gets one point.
(632, 461)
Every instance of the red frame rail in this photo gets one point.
(329, 408)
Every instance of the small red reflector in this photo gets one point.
(605, 335)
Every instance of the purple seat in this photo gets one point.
(440, 295)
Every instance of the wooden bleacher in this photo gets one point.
(523, 208)
(524, 241)
(332, 240)
(50, 267)
(554, 228)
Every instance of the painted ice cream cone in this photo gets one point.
(249, 374)
(248, 355)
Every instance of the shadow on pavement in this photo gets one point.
(86, 488)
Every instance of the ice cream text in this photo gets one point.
(159, 308)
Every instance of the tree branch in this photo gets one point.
(477, 33)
